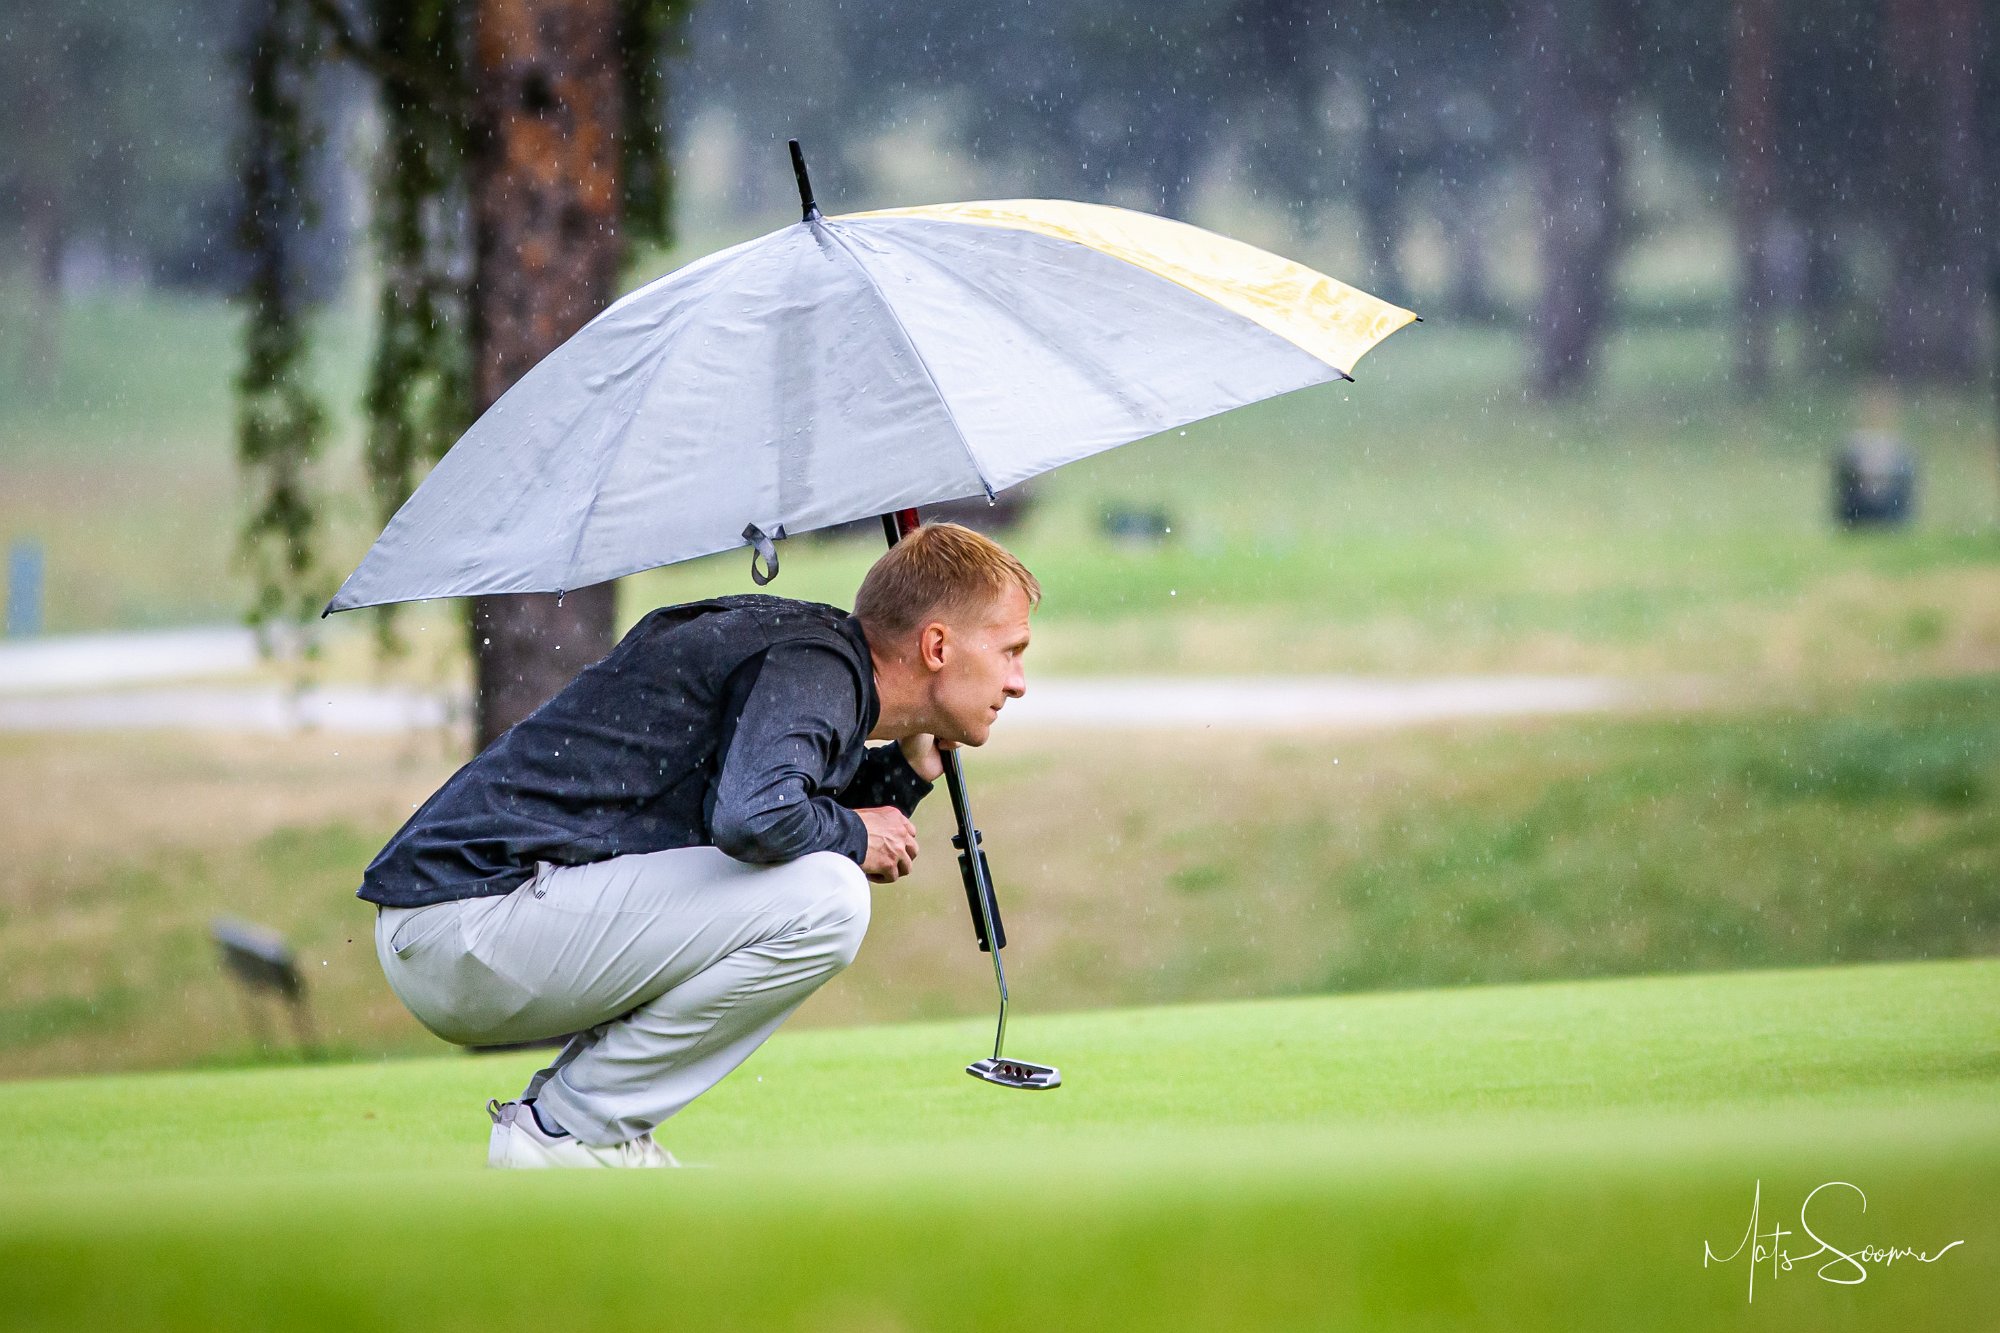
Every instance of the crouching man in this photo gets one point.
(671, 854)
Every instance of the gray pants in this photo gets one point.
(671, 968)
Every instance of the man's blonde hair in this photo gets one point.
(937, 572)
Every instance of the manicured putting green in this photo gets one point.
(1549, 1155)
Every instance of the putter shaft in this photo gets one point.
(982, 887)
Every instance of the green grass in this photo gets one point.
(1765, 839)
(1428, 519)
(1532, 1156)
(1424, 517)
(123, 465)
(1136, 869)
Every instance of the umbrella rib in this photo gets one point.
(610, 458)
(1087, 365)
(918, 354)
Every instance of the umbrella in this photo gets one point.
(845, 367)
(854, 366)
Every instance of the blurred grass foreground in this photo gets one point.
(1548, 1156)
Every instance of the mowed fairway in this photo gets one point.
(1539, 1156)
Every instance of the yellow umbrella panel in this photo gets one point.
(1318, 314)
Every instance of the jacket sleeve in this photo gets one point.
(788, 737)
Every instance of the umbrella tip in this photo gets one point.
(806, 203)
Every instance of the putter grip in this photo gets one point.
(972, 895)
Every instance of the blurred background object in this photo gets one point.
(24, 589)
(1143, 526)
(265, 968)
(997, 518)
(1875, 476)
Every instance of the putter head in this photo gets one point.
(1016, 1073)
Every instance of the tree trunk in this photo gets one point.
(1579, 73)
(1932, 322)
(1822, 296)
(1379, 190)
(1468, 282)
(547, 255)
(1170, 138)
(1753, 150)
(43, 226)
(41, 342)
(1993, 296)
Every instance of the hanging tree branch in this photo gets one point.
(281, 423)
(651, 32)
(380, 59)
(419, 396)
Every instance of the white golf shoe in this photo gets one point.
(518, 1141)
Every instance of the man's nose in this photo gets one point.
(1017, 684)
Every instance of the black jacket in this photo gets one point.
(737, 723)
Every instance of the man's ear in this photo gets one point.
(931, 646)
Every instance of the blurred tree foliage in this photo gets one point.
(1850, 144)
(107, 109)
(1853, 141)
(1866, 170)
(281, 423)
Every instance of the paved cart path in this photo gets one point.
(118, 682)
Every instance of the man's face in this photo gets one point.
(981, 666)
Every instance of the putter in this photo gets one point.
(986, 924)
(992, 937)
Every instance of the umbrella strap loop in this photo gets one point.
(766, 550)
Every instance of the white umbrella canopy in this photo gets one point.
(846, 367)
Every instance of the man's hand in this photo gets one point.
(892, 843)
(921, 753)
